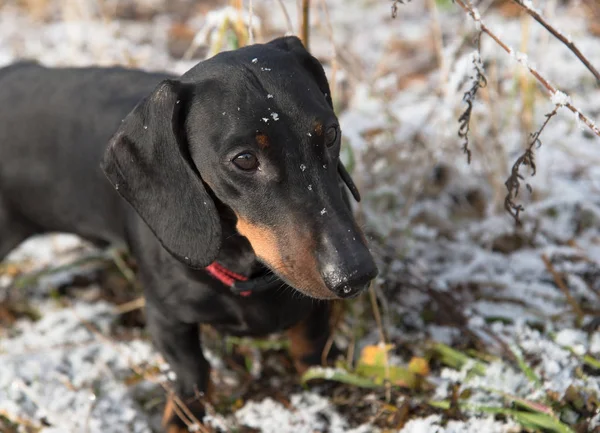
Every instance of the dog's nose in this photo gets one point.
(345, 262)
(350, 273)
(354, 286)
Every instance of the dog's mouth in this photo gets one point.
(262, 280)
(293, 265)
(266, 279)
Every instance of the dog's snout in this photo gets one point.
(354, 287)
(347, 268)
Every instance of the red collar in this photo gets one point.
(226, 276)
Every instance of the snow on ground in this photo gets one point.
(56, 372)
(310, 413)
(434, 424)
(454, 269)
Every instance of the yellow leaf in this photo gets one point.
(375, 354)
(397, 375)
(419, 366)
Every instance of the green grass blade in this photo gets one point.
(338, 375)
(530, 420)
(456, 359)
(525, 368)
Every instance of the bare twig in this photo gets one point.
(558, 35)
(437, 36)
(182, 416)
(382, 340)
(474, 14)
(288, 21)
(22, 422)
(334, 322)
(250, 16)
(513, 183)
(130, 306)
(334, 59)
(563, 287)
(304, 23)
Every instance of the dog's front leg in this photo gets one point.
(309, 338)
(179, 343)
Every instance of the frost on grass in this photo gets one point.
(56, 371)
(211, 29)
(49, 257)
(309, 412)
(435, 424)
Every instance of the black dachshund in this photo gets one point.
(231, 180)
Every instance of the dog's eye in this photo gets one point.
(246, 161)
(331, 135)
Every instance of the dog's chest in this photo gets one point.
(263, 314)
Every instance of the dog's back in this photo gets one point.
(54, 126)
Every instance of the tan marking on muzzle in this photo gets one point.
(298, 267)
(263, 241)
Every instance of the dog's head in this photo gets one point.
(255, 129)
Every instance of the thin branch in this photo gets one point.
(336, 318)
(288, 21)
(560, 282)
(127, 307)
(382, 340)
(304, 23)
(474, 14)
(558, 35)
(334, 59)
(250, 16)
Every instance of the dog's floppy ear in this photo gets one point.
(148, 163)
(314, 67)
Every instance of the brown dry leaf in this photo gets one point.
(180, 38)
(373, 132)
(11, 270)
(508, 8)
